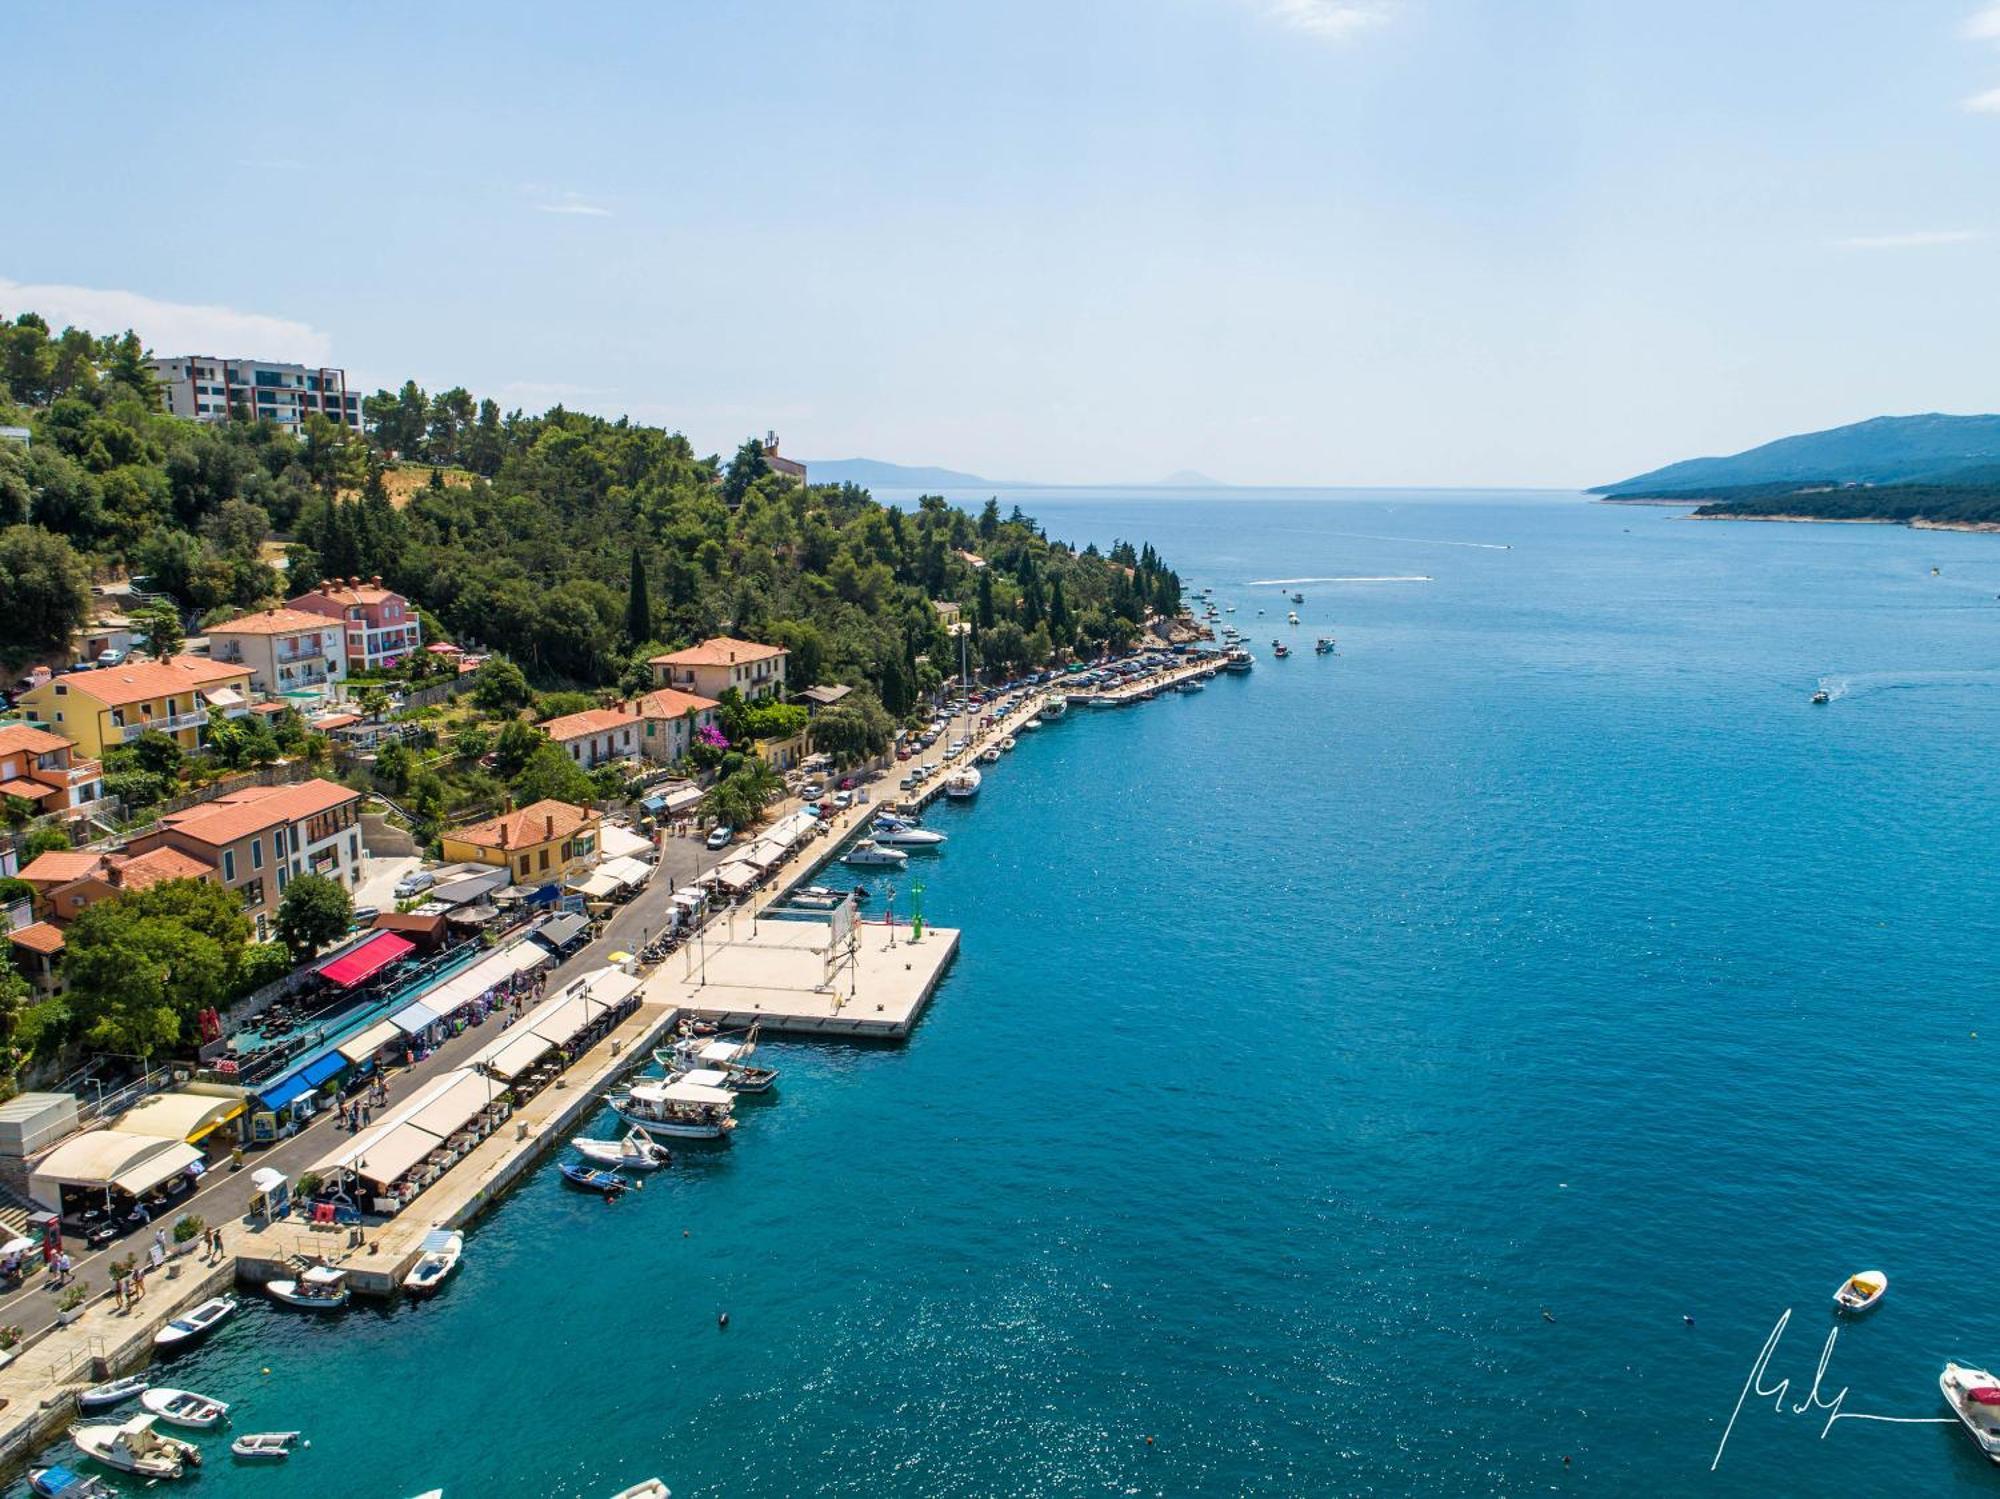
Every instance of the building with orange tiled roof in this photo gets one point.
(68, 882)
(37, 955)
(113, 705)
(42, 769)
(537, 844)
(381, 624)
(287, 650)
(262, 838)
(671, 719)
(714, 666)
(596, 736)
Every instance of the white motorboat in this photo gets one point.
(1007, 744)
(1053, 707)
(184, 1407)
(636, 1151)
(731, 1058)
(1974, 1397)
(896, 832)
(1238, 660)
(135, 1447)
(990, 755)
(964, 785)
(1860, 1292)
(191, 1327)
(58, 1482)
(650, 1488)
(264, 1446)
(321, 1288)
(102, 1397)
(1026, 724)
(1291, 616)
(443, 1249)
(695, 1106)
(869, 852)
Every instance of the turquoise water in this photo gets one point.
(1311, 1035)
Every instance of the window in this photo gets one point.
(262, 935)
(354, 848)
(229, 865)
(524, 864)
(256, 853)
(281, 879)
(253, 893)
(545, 859)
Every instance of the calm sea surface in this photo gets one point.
(1353, 1076)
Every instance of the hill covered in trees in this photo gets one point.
(1931, 449)
(578, 547)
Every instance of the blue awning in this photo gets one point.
(417, 1017)
(297, 1084)
(654, 804)
(548, 895)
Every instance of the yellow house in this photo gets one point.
(102, 709)
(537, 844)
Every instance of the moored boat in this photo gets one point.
(590, 1179)
(635, 1151)
(891, 831)
(264, 1446)
(648, 1488)
(964, 785)
(1860, 1292)
(1974, 1397)
(1053, 707)
(1238, 660)
(135, 1447)
(1007, 744)
(990, 755)
(192, 1326)
(443, 1248)
(116, 1392)
(319, 1288)
(184, 1407)
(58, 1482)
(869, 852)
(1323, 646)
(693, 1054)
(681, 1109)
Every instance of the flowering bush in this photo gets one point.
(711, 736)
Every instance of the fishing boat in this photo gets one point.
(650, 1488)
(964, 785)
(731, 1058)
(443, 1249)
(102, 1397)
(683, 1108)
(1238, 660)
(990, 755)
(1192, 684)
(636, 1151)
(320, 1288)
(1053, 708)
(184, 1408)
(869, 852)
(1822, 696)
(1860, 1292)
(590, 1179)
(901, 832)
(191, 1327)
(66, 1483)
(1974, 1397)
(264, 1446)
(135, 1447)
(1281, 651)
(1291, 616)
(1323, 646)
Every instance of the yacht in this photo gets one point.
(964, 785)
(900, 832)
(1238, 659)
(868, 851)
(694, 1106)
(135, 1447)
(1974, 1397)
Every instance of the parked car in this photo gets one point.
(110, 658)
(414, 884)
(902, 752)
(813, 790)
(843, 799)
(720, 835)
(365, 915)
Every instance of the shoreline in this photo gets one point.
(1919, 523)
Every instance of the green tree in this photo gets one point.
(745, 469)
(855, 729)
(159, 627)
(141, 965)
(501, 687)
(513, 746)
(551, 775)
(740, 797)
(44, 588)
(638, 607)
(315, 910)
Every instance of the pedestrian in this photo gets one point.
(367, 1114)
(160, 1240)
(218, 1244)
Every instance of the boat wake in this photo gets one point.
(1290, 582)
(1424, 541)
(1861, 684)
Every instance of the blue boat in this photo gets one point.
(66, 1483)
(609, 1183)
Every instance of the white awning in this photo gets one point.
(626, 871)
(763, 854)
(180, 1116)
(370, 1041)
(391, 1158)
(687, 1092)
(144, 1175)
(103, 1158)
(487, 973)
(737, 876)
(615, 842)
(688, 896)
(514, 1053)
(598, 886)
(681, 800)
(457, 1105)
(608, 987)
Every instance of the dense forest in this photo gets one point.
(575, 545)
(1933, 504)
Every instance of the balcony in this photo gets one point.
(171, 723)
(79, 773)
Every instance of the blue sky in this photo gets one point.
(1281, 241)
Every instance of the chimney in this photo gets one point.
(503, 832)
(353, 582)
(376, 581)
(550, 824)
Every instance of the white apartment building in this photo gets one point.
(208, 389)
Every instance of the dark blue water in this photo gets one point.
(1313, 1036)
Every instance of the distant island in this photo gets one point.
(1933, 471)
(872, 473)
(1188, 478)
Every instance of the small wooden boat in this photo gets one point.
(185, 1407)
(135, 1447)
(636, 1151)
(1860, 1292)
(192, 1327)
(443, 1248)
(264, 1446)
(590, 1179)
(67, 1483)
(102, 1397)
(321, 1288)
(1974, 1397)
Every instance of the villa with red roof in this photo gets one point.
(382, 625)
(40, 768)
(711, 668)
(287, 650)
(659, 726)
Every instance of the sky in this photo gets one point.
(1385, 242)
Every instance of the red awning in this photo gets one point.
(364, 962)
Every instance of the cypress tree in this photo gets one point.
(638, 606)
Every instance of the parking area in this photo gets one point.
(379, 879)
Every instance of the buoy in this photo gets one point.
(266, 1371)
(1687, 1319)
(722, 1319)
(1149, 1441)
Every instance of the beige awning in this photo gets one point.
(146, 1174)
(391, 1158)
(370, 1041)
(179, 1116)
(514, 1054)
(455, 1106)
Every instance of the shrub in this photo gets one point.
(73, 1297)
(188, 1227)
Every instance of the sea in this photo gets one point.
(1464, 1063)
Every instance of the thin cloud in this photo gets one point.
(1916, 239)
(570, 203)
(1983, 25)
(170, 327)
(1987, 103)
(1329, 20)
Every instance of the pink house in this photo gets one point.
(382, 625)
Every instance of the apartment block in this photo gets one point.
(209, 389)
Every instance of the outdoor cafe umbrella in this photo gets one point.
(17, 1246)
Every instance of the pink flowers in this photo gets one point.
(711, 736)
